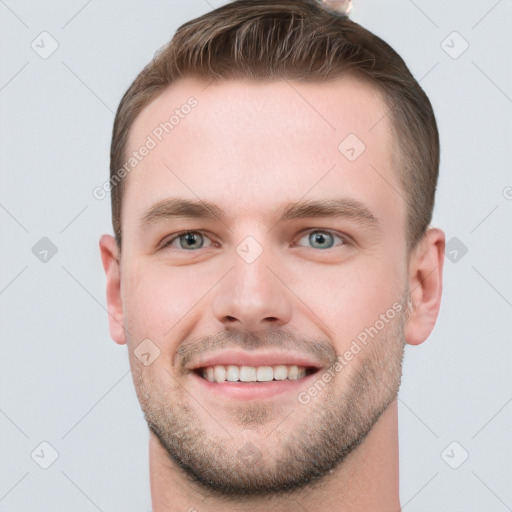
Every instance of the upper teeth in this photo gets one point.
(234, 373)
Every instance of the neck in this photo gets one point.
(366, 480)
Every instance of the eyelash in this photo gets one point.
(175, 237)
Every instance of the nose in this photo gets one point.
(252, 297)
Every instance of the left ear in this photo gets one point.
(425, 285)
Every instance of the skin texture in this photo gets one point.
(250, 148)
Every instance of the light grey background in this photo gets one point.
(63, 381)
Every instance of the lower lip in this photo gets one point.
(253, 390)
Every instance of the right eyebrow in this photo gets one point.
(179, 207)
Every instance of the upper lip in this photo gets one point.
(260, 358)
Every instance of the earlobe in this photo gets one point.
(111, 264)
(425, 286)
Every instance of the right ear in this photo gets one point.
(111, 263)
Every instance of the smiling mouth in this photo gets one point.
(243, 374)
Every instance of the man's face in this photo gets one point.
(258, 289)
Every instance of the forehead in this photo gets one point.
(252, 146)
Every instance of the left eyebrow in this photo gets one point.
(342, 207)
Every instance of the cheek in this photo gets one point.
(156, 298)
(344, 300)
(373, 296)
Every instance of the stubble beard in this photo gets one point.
(297, 454)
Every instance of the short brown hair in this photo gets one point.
(297, 40)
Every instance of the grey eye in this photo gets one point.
(188, 241)
(191, 240)
(320, 239)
